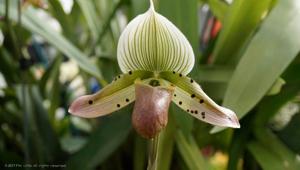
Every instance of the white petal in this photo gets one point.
(90, 106)
(151, 42)
(113, 97)
(219, 116)
(189, 96)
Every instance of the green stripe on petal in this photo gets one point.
(151, 42)
(190, 97)
(111, 98)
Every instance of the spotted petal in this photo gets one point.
(189, 96)
(151, 42)
(113, 97)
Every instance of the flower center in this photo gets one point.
(154, 83)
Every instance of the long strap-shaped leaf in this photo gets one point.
(113, 97)
(31, 22)
(270, 52)
(190, 97)
(242, 19)
(90, 15)
(106, 139)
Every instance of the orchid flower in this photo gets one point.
(155, 58)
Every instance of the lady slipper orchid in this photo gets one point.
(155, 58)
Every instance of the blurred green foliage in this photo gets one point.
(49, 55)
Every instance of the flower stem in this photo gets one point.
(152, 155)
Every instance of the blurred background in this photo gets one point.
(247, 58)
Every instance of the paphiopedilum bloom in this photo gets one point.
(155, 58)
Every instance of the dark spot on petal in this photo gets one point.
(188, 110)
(90, 102)
(118, 105)
(229, 118)
(115, 79)
(119, 76)
(196, 111)
(173, 72)
(180, 75)
(130, 72)
(127, 100)
(180, 102)
(203, 115)
(175, 95)
(201, 101)
(192, 80)
(193, 95)
(192, 111)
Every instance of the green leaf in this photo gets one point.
(58, 12)
(140, 152)
(268, 55)
(50, 142)
(110, 134)
(110, 68)
(274, 149)
(219, 9)
(183, 120)
(32, 140)
(271, 104)
(71, 144)
(265, 157)
(108, 11)
(291, 134)
(243, 18)
(213, 74)
(272, 142)
(33, 23)
(189, 151)
(216, 90)
(238, 144)
(41, 143)
(50, 86)
(8, 67)
(276, 87)
(55, 88)
(49, 73)
(91, 17)
(139, 6)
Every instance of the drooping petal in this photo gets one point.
(190, 97)
(151, 42)
(150, 114)
(113, 97)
